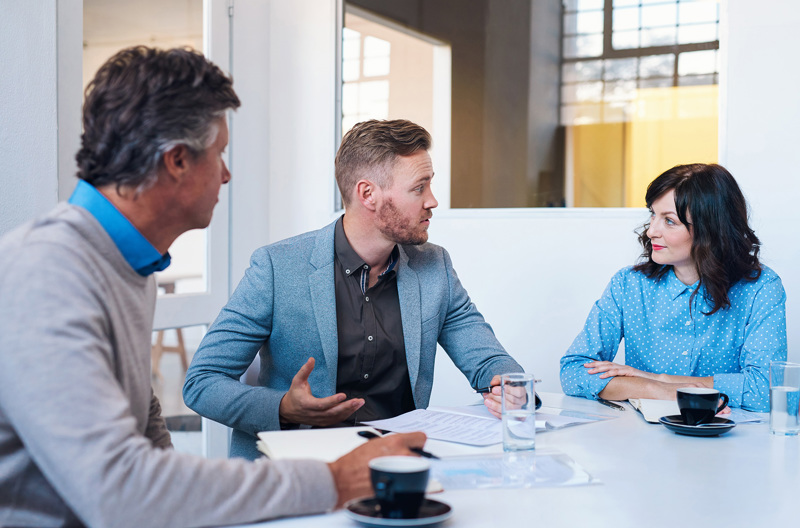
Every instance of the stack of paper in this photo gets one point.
(472, 425)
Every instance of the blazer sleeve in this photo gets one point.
(212, 387)
(468, 339)
(598, 341)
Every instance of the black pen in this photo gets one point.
(369, 435)
(611, 404)
(486, 390)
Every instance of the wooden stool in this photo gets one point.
(157, 350)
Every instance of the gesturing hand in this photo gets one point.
(299, 406)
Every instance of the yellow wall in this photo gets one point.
(614, 162)
(598, 164)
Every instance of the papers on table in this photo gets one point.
(652, 410)
(472, 425)
(741, 416)
(543, 467)
(449, 426)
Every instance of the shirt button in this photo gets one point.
(685, 353)
(369, 338)
(366, 299)
(366, 267)
(688, 323)
(347, 271)
(366, 376)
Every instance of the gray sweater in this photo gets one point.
(81, 436)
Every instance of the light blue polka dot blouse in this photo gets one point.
(662, 335)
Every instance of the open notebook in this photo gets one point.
(652, 410)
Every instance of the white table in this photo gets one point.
(650, 477)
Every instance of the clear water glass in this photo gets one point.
(784, 398)
(519, 412)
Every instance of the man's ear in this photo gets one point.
(176, 162)
(366, 194)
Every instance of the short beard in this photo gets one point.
(395, 227)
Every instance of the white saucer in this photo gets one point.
(367, 512)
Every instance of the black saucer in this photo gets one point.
(367, 512)
(716, 427)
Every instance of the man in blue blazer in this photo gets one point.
(346, 319)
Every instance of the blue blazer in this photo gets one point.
(285, 310)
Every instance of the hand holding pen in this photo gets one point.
(369, 435)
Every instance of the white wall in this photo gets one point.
(283, 135)
(28, 111)
(534, 275)
(760, 131)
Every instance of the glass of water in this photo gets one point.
(784, 398)
(519, 412)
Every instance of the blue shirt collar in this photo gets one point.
(135, 248)
(676, 288)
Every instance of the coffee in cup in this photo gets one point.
(699, 405)
(399, 483)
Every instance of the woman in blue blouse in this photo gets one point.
(700, 310)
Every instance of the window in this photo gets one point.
(554, 103)
(638, 94)
(390, 72)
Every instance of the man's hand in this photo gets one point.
(515, 397)
(351, 472)
(493, 400)
(299, 406)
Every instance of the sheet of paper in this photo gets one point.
(539, 468)
(471, 424)
(447, 426)
(740, 417)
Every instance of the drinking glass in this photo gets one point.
(519, 412)
(784, 398)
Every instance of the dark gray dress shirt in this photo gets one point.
(372, 356)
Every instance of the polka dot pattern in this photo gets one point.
(665, 332)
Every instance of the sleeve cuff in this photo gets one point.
(732, 386)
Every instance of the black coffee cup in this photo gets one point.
(699, 405)
(399, 483)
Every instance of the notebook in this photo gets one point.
(319, 444)
(652, 410)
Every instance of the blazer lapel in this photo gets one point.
(410, 313)
(323, 301)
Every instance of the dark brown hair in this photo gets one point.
(141, 103)
(724, 248)
(370, 149)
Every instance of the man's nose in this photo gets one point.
(226, 174)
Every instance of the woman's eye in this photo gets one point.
(669, 221)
